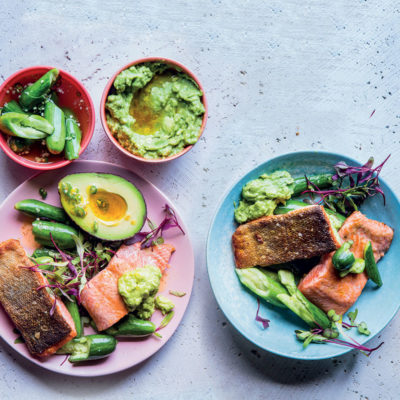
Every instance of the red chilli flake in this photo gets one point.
(373, 112)
(265, 322)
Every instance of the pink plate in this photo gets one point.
(179, 277)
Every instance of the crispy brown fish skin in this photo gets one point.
(276, 239)
(29, 308)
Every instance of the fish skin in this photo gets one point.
(29, 308)
(276, 239)
(324, 287)
(100, 295)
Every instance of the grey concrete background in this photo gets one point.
(280, 76)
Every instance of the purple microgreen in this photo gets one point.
(79, 249)
(53, 307)
(65, 257)
(348, 326)
(265, 322)
(317, 336)
(154, 236)
(365, 350)
(347, 194)
(65, 359)
(70, 275)
(166, 320)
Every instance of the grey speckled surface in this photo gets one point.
(279, 76)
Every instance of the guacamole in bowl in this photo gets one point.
(154, 110)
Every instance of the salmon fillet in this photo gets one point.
(276, 239)
(100, 295)
(29, 308)
(324, 287)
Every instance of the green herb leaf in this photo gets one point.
(333, 316)
(352, 316)
(166, 320)
(43, 193)
(152, 226)
(19, 339)
(363, 329)
(308, 341)
(157, 334)
(177, 293)
(158, 241)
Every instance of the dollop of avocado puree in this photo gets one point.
(138, 285)
(146, 308)
(261, 196)
(156, 110)
(164, 304)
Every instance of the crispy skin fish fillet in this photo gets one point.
(276, 239)
(29, 308)
(324, 287)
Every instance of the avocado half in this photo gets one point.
(104, 205)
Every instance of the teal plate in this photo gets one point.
(375, 306)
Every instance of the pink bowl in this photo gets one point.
(72, 94)
(108, 88)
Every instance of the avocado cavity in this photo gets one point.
(107, 206)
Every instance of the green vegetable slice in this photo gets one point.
(370, 265)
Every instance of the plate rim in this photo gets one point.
(37, 362)
(230, 187)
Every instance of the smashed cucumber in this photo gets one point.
(62, 234)
(25, 126)
(39, 209)
(72, 307)
(12, 106)
(55, 115)
(36, 93)
(132, 326)
(320, 180)
(90, 347)
(73, 135)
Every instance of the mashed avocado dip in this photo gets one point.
(138, 288)
(154, 110)
(262, 195)
(164, 304)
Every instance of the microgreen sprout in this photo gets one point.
(331, 335)
(70, 271)
(154, 237)
(265, 322)
(351, 186)
(166, 320)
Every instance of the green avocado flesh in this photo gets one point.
(262, 195)
(155, 110)
(105, 206)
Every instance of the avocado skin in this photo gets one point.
(121, 229)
